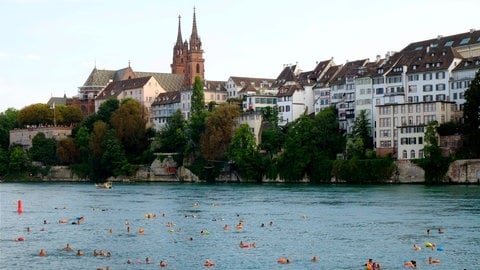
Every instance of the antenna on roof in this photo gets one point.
(128, 63)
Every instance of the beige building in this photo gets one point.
(400, 128)
(143, 89)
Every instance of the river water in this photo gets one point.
(342, 225)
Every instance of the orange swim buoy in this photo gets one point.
(21, 238)
(19, 207)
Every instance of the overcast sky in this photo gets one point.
(49, 47)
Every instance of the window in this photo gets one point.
(464, 41)
(404, 154)
(448, 43)
(420, 153)
(440, 75)
(427, 76)
(287, 108)
(428, 98)
(412, 154)
(427, 88)
(440, 97)
(379, 91)
(440, 87)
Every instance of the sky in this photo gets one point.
(49, 47)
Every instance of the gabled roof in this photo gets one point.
(303, 78)
(328, 76)
(113, 89)
(432, 59)
(468, 63)
(214, 86)
(350, 69)
(256, 82)
(247, 88)
(100, 78)
(458, 40)
(167, 98)
(320, 69)
(169, 82)
(288, 90)
(288, 74)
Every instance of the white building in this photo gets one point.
(235, 85)
(460, 79)
(164, 106)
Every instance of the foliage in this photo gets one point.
(362, 171)
(35, 115)
(434, 164)
(8, 121)
(449, 128)
(113, 159)
(4, 160)
(198, 98)
(67, 151)
(43, 149)
(219, 130)
(129, 122)
(172, 138)
(244, 153)
(69, 115)
(97, 172)
(471, 115)
(18, 160)
(360, 140)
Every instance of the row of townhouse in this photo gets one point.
(427, 74)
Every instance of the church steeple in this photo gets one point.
(179, 35)
(188, 56)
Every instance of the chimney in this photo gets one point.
(472, 30)
(378, 58)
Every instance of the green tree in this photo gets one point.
(4, 160)
(97, 171)
(434, 164)
(198, 98)
(129, 122)
(243, 151)
(43, 149)
(8, 121)
(36, 115)
(172, 138)
(471, 115)
(70, 115)
(67, 151)
(219, 130)
(114, 163)
(360, 139)
(18, 160)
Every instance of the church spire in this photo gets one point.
(179, 35)
(195, 43)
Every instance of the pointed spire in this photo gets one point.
(194, 35)
(179, 35)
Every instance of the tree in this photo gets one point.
(95, 145)
(434, 164)
(219, 130)
(129, 122)
(360, 139)
(198, 99)
(70, 115)
(43, 149)
(172, 138)
(8, 121)
(18, 160)
(67, 151)
(114, 162)
(471, 115)
(243, 151)
(36, 115)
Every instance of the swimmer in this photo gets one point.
(225, 227)
(163, 264)
(68, 248)
(141, 231)
(208, 263)
(430, 260)
(283, 260)
(416, 247)
(411, 264)
(428, 231)
(440, 230)
(79, 253)
(42, 252)
(147, 260)
(315, 259)
(95, 253)
(129, 261)
(110, 231)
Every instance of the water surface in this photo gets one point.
(342, 225)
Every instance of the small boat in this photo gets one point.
(106, 185)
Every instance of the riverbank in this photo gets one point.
(459, 172)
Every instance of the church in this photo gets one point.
(187, 63)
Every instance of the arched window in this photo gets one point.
(412, 154)
(198, 68)
(404, 154)
(420, 153)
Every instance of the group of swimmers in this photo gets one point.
(432, 246)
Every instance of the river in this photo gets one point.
(343, 225)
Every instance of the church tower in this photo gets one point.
(188, 57)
